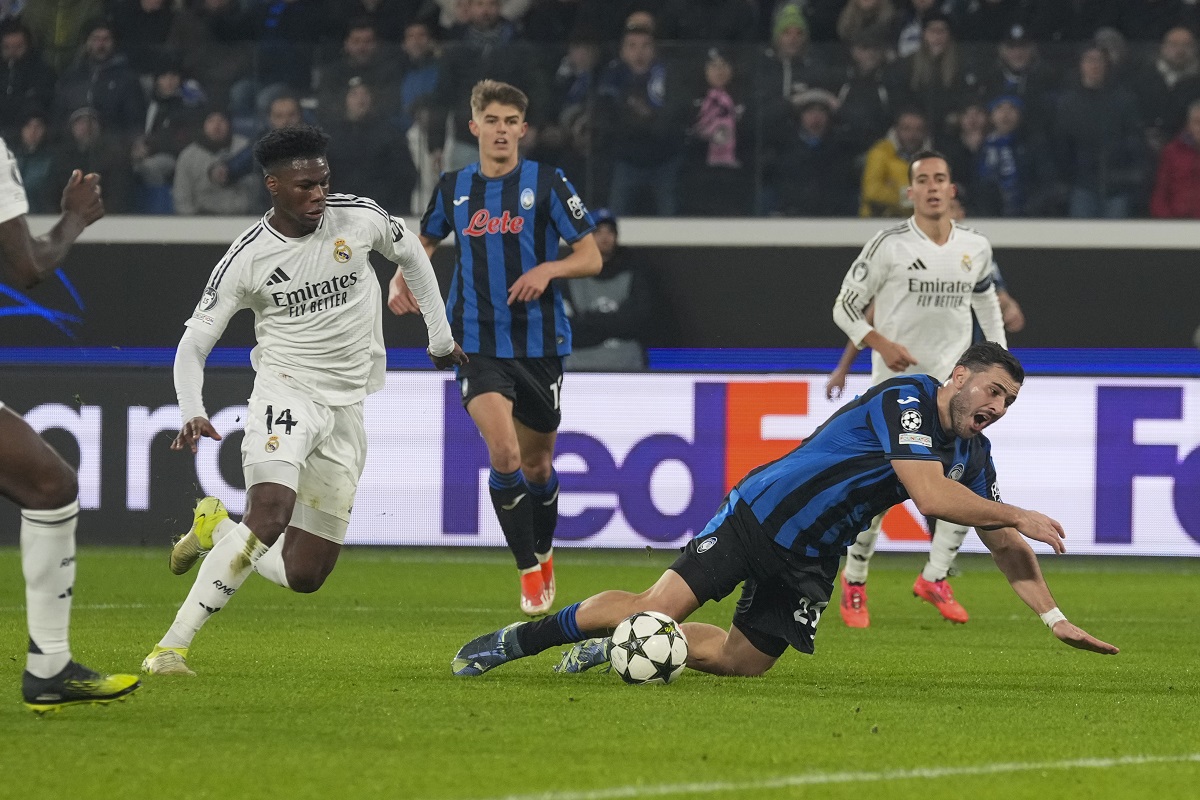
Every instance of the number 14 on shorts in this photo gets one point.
(284, 420)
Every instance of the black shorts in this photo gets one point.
(534, 385)
(784, 592)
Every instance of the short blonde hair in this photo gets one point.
(487, 92)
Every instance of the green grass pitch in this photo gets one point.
(347, 693)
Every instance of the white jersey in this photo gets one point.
(318, 311)
(924, 294)
(13, 202)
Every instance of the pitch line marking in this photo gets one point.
(817, 778)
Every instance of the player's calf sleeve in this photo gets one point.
(557, 629)
(271, 565)
(858, 556)
(48, 563)
(514, 510)
(221, 574)
(947, 539)
(545, 512)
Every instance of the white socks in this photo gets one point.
(858, 557)
(221, 574)
(947, 538)
(271, 567)
(48, 562)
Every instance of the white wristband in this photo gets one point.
(1052, 617)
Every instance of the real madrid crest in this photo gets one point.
(272, 444)
(341, 251)
(966, 262)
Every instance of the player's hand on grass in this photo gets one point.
(1037, 526)
(1079, 638)
(400, 298)
(529, 286)
(896, 356)
(455, 357)
(81, 196)
(193, 429)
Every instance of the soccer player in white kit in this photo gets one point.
(303, 270)
(925, 276)
(35, 477)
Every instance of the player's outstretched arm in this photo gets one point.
(190, 357)
(837, 379)
(27, 260)
(583, 261)
(1017, 561)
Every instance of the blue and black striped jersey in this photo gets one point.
(817, 499)
(504, 227)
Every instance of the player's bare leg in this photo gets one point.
(594, 617)
(35, 477)
(492, 414)
(718, 652)
(269, 509)
(537, 468)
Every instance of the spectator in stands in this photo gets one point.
(1166, 88)
(175, 114)
(874, 17)
(935, 76)
(1013, 176)
(707, 21)
(31, 148)
(194, 191)
(363, 60)
(719, 144)
(1121, 68)
(1177, 184)
(485, 46)
(26, 81)
(211, 45)
(570, 97)
(639, 118)
(963, 143)
(790, 67)
(1020, 72)
(102, 80)
(885, 176)
(365, 156)
(1098, 142)
(59, 27)
(143, 27)
(285, 34)
(420, 68)
(88, 148)
(389, 18)
(283, 111)
(458, 12)
(809, 168)
(910, 22)
(868, 94)
(611, 312)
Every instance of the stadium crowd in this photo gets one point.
(1045, 108)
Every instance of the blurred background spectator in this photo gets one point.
(60, 26)
(366, 156)
(87, 146)
(102, 80)
(195, 192)
(27, 81)
(885, 175)
(31, 147)
(1177, 183)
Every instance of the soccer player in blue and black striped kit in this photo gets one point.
(507, 215)
(785, 526)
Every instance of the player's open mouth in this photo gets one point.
(981, 421)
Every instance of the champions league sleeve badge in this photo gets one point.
(208, 299)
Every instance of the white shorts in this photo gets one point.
(317, 451)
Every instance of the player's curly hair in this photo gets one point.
(290, 143)
(983, 355)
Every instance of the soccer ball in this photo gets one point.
(649, 647)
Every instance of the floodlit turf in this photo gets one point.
(347, 693)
